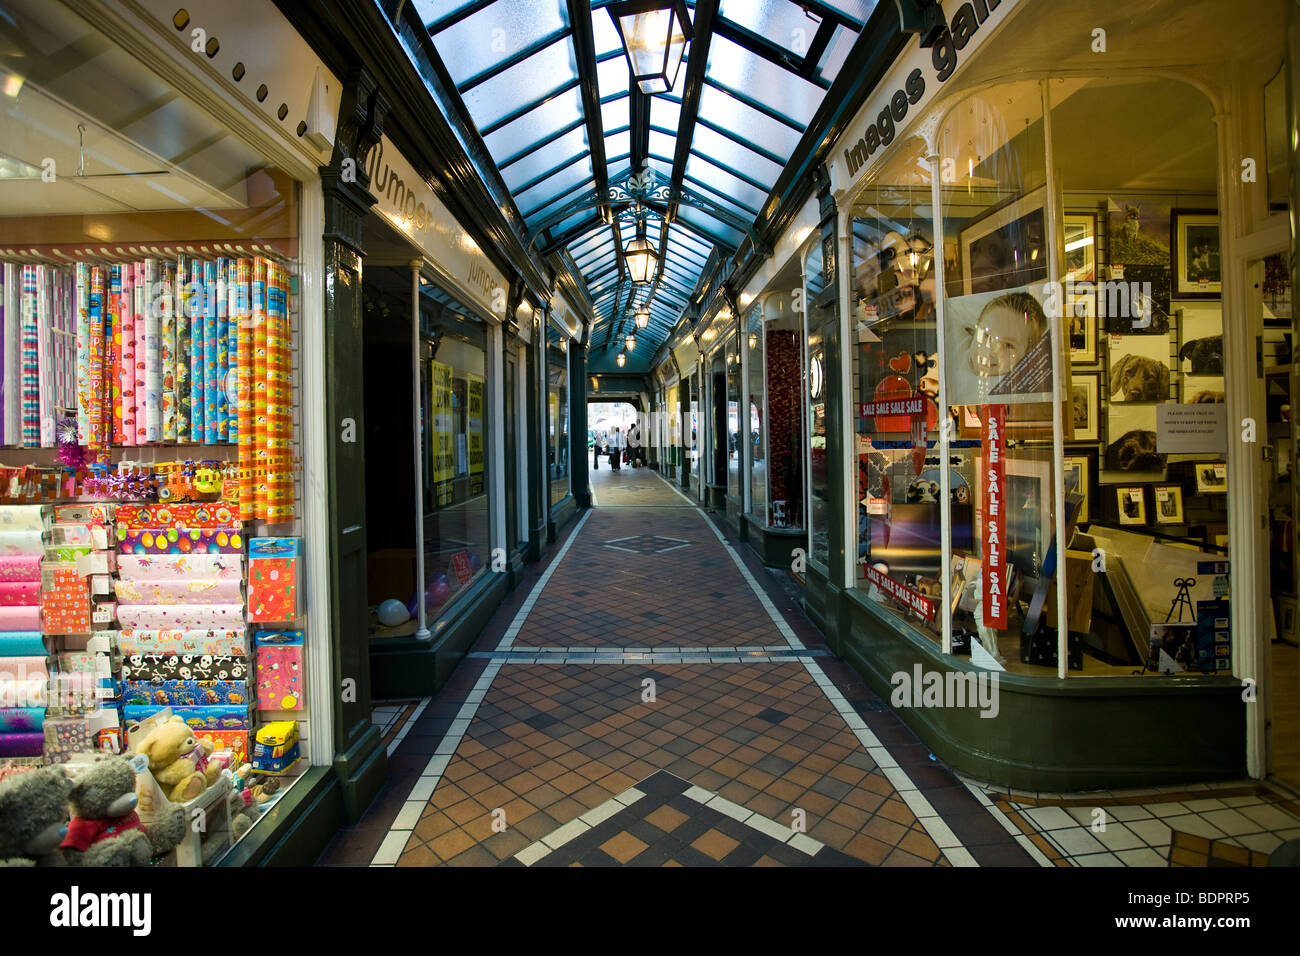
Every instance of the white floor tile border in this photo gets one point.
(517, 624)
(577, 826)
(406, 727)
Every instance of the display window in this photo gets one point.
(692, 428)
(1038, 367)
(735, 436)
(779, 489)
(757, 431)
(557, 419)
(821, 315)
(151, 545)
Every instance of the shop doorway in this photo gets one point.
(1269, 301)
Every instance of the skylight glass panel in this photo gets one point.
(732, 66)
(496, 33)
(543, 72)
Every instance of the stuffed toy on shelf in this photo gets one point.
(33, 817)
(178, 760)
(105, 828)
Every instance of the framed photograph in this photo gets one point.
(1195, 254)
(1139, 368)
(1029, 498)
(1169, 504)
(1007, 247)
(1080, 247)
(1211, 478)
(1144, 307)
(1085, 406)
(999, 347)
(1080, 322)
(1137, 228)
(1173, 648)
(1132, 504)
(1079, 469)
(1131, 453)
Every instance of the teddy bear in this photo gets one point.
(105, 829)
(179, 761)
(33, 817)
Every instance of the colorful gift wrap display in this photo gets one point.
(184, 667)
(189, 591)
(180, 567)
(235, 741)
(66, 737)
(279, 670)
(185, 692)
(273, 579)
(65, 601)
(207, 717)
(216, 642)
(226, 540)
(180, 616)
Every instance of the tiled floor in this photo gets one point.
(651, 696)
(615, 712)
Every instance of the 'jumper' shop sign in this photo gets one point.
(914, 600)
(913, 81)
(995, 518)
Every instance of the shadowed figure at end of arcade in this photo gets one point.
(615, 450)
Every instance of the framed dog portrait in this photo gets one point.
(1194, 249)
(1211, 477)
(1085, 406)
(1007, 247)
(1131, 453)
(1139, 368)
(1168, 504)
(1131, 504)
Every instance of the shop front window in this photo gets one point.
(757, 430)
(557, 422)
(736, 442)
(821, 315)
(782, 332)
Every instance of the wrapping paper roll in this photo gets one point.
(214, 514)
(21, 644)
(196, 317)
(179, 541)
(211, 412)
(244, 389)
(152, 667)
(153, 392)
(180, 567)
(189, 591)
(83, 353)
(183, 309)
(217, 717)
(139, 295)
(280, 398)
(19, 592)
(223, 349)
(31, 395)
(22, 745)
(22, 720)
(22, 518)
(183, 616)
(125, 276)
(23, 618)
(261, 485)
(22, 542)
(215, 642)
(113, 357)
(167, 342)
(47, 376)
(206, 693)
(26, 667)
(97, 437)
(11, 430)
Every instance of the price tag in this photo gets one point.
(102, 616)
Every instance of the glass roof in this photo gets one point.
(546, 84)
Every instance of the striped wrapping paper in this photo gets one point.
(4, 337)
(223, 351)
(113, 338)
(123, 277)
(167, 347)
(153, 394)
(139, 290)
(198, 351)
(31, 411)
(279, 398)
(65, 341)
(83, 353)
(97, 436)
(12, 421)
(244, 365)
(211, 413)
(45, 353)
(182, 316)
(261, 491)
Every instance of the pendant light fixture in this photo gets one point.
(621, 360)
(642, 318)
(640, 257)
(630, 343)
(654, 34)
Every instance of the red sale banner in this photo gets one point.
(913, 407)
(914, 600)
(994, 529)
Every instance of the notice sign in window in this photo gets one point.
(1200, 429)
(995, 519)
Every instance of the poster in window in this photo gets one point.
(474, 430)
(998, 348)
(444, 456)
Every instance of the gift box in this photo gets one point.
(235, 741)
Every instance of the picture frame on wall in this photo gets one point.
(1080, 247)
(1007, 247)
(1079, 469)
(1195, 254)
(1168, 504)
(1081, 327)
(1085, 406)
(1211, 478)
(1131, 504)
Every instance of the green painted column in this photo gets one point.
(579, 457)
(535, 405)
